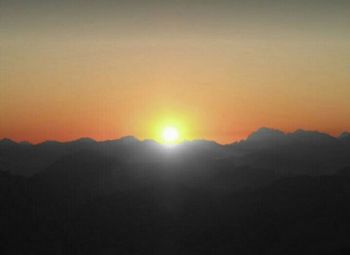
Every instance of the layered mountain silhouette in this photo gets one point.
(299, 152)
(272, 193)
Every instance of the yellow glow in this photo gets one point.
(169, 126)
(170, 135)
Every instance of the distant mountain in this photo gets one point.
(266, 135)
(299, 152)
(312, 138)
(344, 136)
(23, 159)
(270, 137)
(7, 142)
(273, 193)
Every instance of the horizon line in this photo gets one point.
(183, 141)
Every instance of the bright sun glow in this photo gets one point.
(169, 128)
(170, 135)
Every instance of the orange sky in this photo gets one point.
(221, 70)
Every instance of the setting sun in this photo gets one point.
(170, 135)
(170, 127)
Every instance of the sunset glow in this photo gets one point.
(114, 68)
(170, 135)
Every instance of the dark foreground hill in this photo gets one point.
(299, 215)
(273, 193)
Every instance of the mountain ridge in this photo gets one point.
(258, 133)
(265, 148)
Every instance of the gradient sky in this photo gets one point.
(222, 69)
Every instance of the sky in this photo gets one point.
(217, 69)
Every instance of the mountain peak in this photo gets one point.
(265, 133)
(7, 141)
(344, 135)
(307, 134)
(128, 139)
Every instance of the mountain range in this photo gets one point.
(299, 152)
(272, 193)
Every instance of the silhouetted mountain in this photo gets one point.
(273, 193)
(299, 152)
(7, 142)
(345, 136)
(129, 140)
(266, 135)
(25, 159)
(312, 138)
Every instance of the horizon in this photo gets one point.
(181, 142)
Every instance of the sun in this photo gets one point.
(170, 135)
(169, 129)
